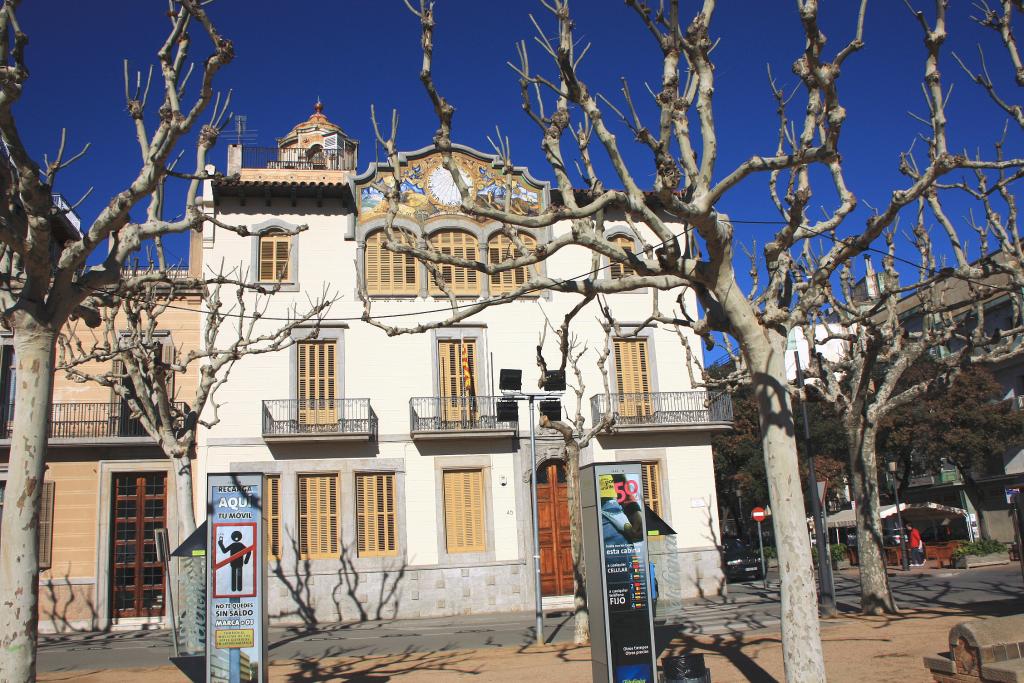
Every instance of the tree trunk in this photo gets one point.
(191, 574)
(34, 347)
(581, 632)
(801, 637)
(875, 593)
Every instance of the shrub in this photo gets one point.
(982, 547)
(770, 553)
(837, 551)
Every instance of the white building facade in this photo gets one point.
(395, 490)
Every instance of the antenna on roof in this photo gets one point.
(242, 131)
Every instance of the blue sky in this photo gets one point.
(356, 53)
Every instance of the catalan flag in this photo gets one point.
(467, 370)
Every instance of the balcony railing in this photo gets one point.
(943, 477)
(441, 415)
(337, 418)
(86, 421)
(665, 409)
(299, 158)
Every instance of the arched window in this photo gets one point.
(619, 269)
(500, 249)
(463, 281)
(388, 272)
(275, 256)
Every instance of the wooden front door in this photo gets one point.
(136, 578)
(553, 520)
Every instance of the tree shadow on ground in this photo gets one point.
(375, 668)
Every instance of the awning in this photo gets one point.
(914, 512)
(656, 526)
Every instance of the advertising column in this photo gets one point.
(615, 528)
(235, 644)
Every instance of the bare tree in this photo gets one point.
(576, 437)
(943, 313)
(45, 278)
(690, 243)
(131, 354)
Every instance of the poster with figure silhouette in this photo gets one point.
(234, 573)
(236, 647)
(622, 642)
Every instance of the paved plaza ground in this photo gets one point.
(739, 640)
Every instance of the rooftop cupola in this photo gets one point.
(316, 145)
(316, 130)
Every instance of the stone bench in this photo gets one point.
(988, 650)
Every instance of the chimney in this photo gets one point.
(870, 279)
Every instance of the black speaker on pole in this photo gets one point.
(552, 409)
(507, 411)
(554, 380)
(510, 380)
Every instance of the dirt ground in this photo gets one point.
(857, 649)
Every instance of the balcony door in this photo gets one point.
(553, 530)
(457, 379)
(633, 378)
(317, 375)
(137, 578)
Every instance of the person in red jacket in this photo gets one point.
(916, 546)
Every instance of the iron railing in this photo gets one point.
(664, 408)
(457, 414)
(87, 421)
(62, 204)
(286, 417)
(299, 158)
(941, 477)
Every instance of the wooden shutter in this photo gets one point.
(317, 382)
(272, 515)
(463, 281)
(632, 377)
(500, 249)
(454, 357)
(318, 516)
(464, 511)
(275, 257)
(388, 272)
(652, 486)
(375, 515)
(619, 269)
(46, 525)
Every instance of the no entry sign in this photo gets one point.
(758, 514)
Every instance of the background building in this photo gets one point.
(394, 488)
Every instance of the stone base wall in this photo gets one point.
(684, 574)
(404, 593)
(67, 606)
(321, 597)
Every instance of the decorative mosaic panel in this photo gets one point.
(428, 189)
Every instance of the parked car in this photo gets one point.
(741, 562)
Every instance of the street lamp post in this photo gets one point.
(904, 559)
(510, 385)
(827, 589)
